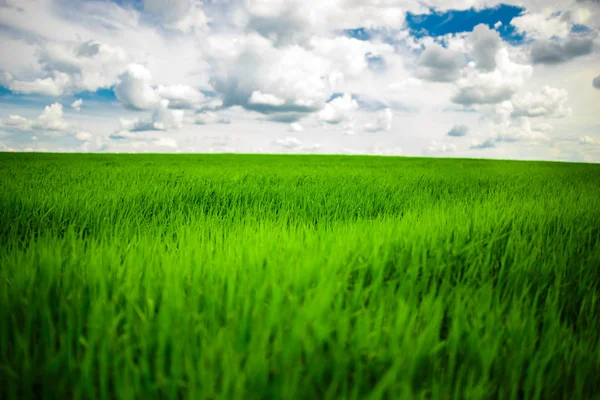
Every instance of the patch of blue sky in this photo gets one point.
(457, 21)
(36, 102)
(5, 91)
(335, 95)
(578, 28)
(100, 95)
(19, 99)
(359, 33)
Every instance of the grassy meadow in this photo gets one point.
(297, 277)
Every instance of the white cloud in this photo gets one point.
(243, 65)
(520, 130)
(293, 21)
(440, 64)
(485, 144)
(251, 71)
(556, 51)
(348, 57)
(181, 96)
(166, 119)
(76, 105)
(549, 102)
(493, 87)
(485, 44)
(540, 26)
(383, 122)
(73, 66)
(223, 61)
(166, 142)
(339, 109)
(50, 122)
(438, 147)
(84, 136)
(50, 86)
(295, 127)
(265, 99)
(134, 89)
(52, 118)
(208, 117)
(162, 119)
(288, 142)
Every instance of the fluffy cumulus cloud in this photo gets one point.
(50, 123)
(162, 119)
(491, 87)
(523, 130)
(181, 96)
(251, 72)
(549, 102)
(72, 66)
(134, 89)
(295, 21)
(513, 131)
(357, 75)
(557, 39)
(539, 25)
(53, 85)
(560, 51)
(485, 44)
(383, 122)
(525, 118)
(338, 110)
(440, 64)
(266, 99)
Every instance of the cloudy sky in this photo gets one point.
(517, 79)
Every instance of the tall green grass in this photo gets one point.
(298, 277)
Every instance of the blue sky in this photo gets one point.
(436, 23)
(302, 76)
(456, 21)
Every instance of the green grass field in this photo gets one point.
(298, 277)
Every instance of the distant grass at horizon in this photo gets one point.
(298, 277)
